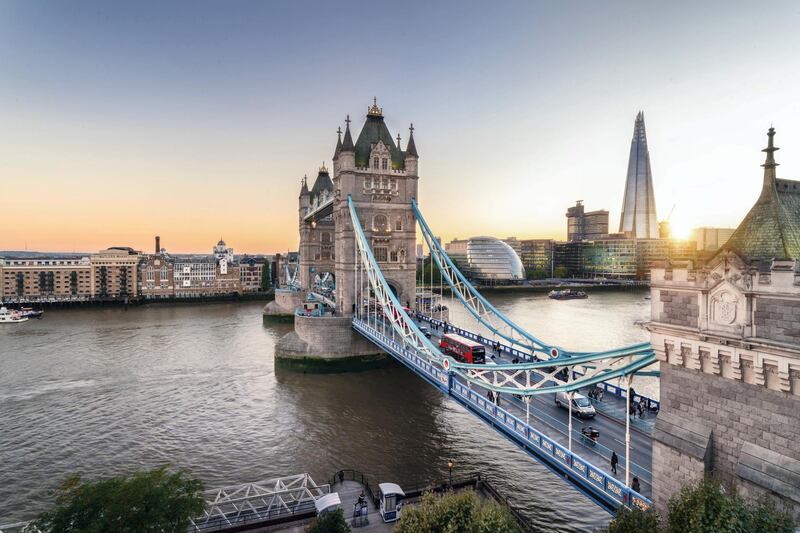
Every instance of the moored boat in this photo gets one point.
(567, 294)
(7, 317)
(29, 312)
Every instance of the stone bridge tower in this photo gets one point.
(382, 180)
(316, 237)
(728, 338)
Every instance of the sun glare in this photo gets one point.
(680, 230)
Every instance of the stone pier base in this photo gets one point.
(327, 344)
(282, 308)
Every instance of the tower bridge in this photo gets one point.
(358, 231)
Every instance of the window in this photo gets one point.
(384, 164)
(326, 238)
(381, 253)
(380, 223)
(393, 256)
(398, 224)
(375, 163)
(150, 274)
(368, 182)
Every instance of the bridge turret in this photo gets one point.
(344, 157)
(412, 157)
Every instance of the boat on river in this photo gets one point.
(8, 317)
(29, 312)
(567, 294)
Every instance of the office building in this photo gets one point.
(586, 225)
(638, 219)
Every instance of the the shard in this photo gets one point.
(638, 218)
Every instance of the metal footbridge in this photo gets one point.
(508, 396)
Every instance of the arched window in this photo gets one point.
(326, 238)
(398, 224)
(380, 223)
(402, 255)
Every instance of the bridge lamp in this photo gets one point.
(313, 224)
(450, 465)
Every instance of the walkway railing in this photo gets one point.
(591, 479)
(523, 356)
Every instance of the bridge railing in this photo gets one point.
(591, 477)
(617, 391)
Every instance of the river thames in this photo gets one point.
(106, 391)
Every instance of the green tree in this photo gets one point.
(155, 500)
(332, 522)
(703, 507)
(634, 521)
(456, 512)
(266, 276)
(560, 272)
(537, 273)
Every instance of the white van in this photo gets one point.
(581, 406)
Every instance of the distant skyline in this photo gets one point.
(191, 120)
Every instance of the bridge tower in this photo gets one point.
(382, 180)
(728, 338)
(316, 237)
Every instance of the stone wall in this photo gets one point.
(679, 308)
(326, 344)
(778, 319)
(736, 414)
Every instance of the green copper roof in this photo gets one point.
(322, 183)
(375, 130)
(771, 230)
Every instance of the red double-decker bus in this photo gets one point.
(463, 349)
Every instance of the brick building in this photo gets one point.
(30, 279)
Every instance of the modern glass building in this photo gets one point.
(492, 261)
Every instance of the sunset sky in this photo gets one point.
(195, 120)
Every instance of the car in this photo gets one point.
(581, 406)
(425, 331)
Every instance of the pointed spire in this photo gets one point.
(338, 142)
(304, 185)
(638, 218)
(398, 141)
(769, 165)
(374, 110)
(411, 148)
(347, 143)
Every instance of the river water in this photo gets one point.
(106, 391)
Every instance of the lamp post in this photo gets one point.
(450, 471)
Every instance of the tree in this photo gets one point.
(537, 273)
(560, 272)
(634, 521)
(456, 512)
(706, 506)
(332, 522)
(266, 277)
(154, 500)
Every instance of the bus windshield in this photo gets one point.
(478, 355)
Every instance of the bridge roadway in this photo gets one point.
(554, 421)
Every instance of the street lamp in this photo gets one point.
(450, 470)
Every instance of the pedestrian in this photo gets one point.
(635, 485)
(632, 411)
(640, 409)
(614, 461)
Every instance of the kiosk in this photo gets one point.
(390, 496)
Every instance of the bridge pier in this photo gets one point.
(282, 308)
(327, 344)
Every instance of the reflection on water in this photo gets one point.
(107, 391)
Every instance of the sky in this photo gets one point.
(196, 120)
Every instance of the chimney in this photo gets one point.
(158, 245)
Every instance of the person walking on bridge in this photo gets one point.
(614, 461)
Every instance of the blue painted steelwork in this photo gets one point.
(535, 344)
(525, 356)
(593, 481)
